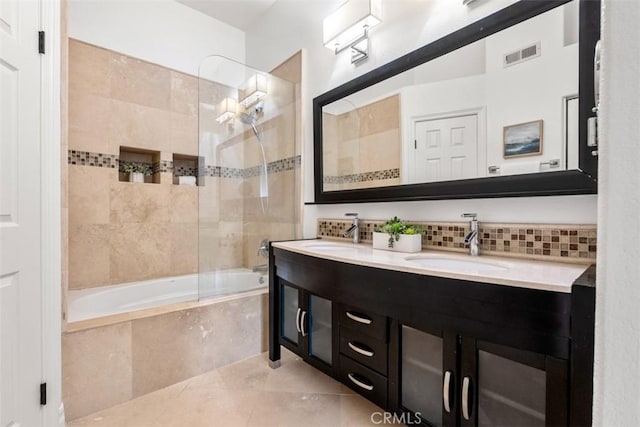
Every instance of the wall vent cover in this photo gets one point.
(521, 55)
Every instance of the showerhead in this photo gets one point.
(251, 120)
(248, 119)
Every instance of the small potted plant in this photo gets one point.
(397, 235)
(136, 171)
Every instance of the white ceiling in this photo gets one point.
(238, 13)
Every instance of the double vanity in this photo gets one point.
(439, 338)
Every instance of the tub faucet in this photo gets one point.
(261, 267)
(471, 238)
(354, 229)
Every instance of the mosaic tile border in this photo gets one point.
(85, 158)
(568, 243)
(362, 177)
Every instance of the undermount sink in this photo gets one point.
(328, 247)
(454, 264)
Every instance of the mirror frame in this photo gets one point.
(570, 182)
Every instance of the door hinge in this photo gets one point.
(41, 42)
(43, 394)
(415, 144)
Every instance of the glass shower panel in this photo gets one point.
(247, 174)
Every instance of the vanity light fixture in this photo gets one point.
(349, 26)
(227, 109)
(255, 88)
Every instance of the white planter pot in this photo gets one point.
(136, 177)
(406, 243)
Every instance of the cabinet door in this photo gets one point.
(506, 386)
(290, 313)
(320, 328)
(422, 375)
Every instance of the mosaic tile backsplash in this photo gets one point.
(568, 243)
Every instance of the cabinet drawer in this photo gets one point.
(367, 350)
(364, 322)
(368, 383)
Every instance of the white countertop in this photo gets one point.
(522, 273)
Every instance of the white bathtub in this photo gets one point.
(107, 300)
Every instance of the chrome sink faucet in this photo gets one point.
(354, 229)
(471, 239)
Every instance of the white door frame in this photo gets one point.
(51, 212)
(480, 112)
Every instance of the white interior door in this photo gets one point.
(445, 149)
(20, 257)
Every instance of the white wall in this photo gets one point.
(163, 32)
(407, 25)
(617, 367)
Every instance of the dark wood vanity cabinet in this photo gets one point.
(433, 350)
(306, 326)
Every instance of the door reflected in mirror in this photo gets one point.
(467, 114)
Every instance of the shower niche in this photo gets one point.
(139, 165)
(185, 170)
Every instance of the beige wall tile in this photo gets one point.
(208, 203)
(89, 122)
(229, 253)
(88, 69)
(89, 194)
(96, 369)
(380, 116)
(291, 69)
(139, 82)
(184, 248)
(135, 202)
(183, 207)
(184, 134)
(176, 346)
(139, 126)
(89, 256)
(139, 251)
(208, 244)
(380, 151)
(184, 93)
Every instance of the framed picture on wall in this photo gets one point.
(523, 139)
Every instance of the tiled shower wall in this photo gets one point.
(566, 243)
(352, 155)
(123, 232)
(119, 231)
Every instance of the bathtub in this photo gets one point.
(123, 298)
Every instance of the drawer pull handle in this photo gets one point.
(360, 318)
(358, 349)
(359, 383)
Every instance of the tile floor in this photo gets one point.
(247, 393)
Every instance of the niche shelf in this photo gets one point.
(139, 156)
(185, 170)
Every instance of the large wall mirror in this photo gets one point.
(496, 109)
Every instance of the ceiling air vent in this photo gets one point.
(521, 55)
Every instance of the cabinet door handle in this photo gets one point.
(304, 333)
(446, 391)
(360, 318)
(298, 320)
(466, 405)
(359, 383)
(358, 349)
